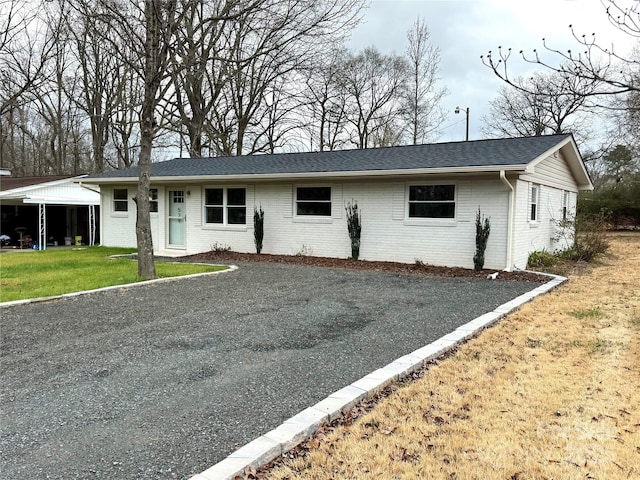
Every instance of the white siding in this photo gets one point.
(553, 171)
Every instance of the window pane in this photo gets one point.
(430, 193)
(533, 211)
(153, 200)
(314, 208)
(213, 196)
(120, 193)
(120, 200)
(432, 210)
(236, 215)
(236, 196)
(314, 193)
(213, 214)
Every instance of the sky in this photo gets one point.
(465, 29)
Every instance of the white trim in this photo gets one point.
(446, 221)
(312, 175)
(313, 218)
(225, 225)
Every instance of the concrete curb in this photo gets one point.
(115, 287)
(303, 426)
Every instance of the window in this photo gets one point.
(225, 206)
(314, 201)
(533, 203)
(153, 200)
(565, 205)
(120, 200)
(432, 201)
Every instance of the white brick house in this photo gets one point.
(417, 202)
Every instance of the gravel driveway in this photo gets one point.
(162, 381)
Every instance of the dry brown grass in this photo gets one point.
(553, 391)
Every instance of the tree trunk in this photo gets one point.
(152, 71)
(146, 263)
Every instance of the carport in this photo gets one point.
(48, 210)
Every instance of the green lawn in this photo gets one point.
(54, 272)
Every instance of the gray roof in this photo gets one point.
(479, 153)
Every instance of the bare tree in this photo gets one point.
(325, 102)
(374, 83)
(614, 73)
(423, 112)
(103, 74)
(25, 48)
(26, 44)
(543, 104)
(265, 45)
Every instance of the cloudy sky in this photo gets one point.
(466, 29)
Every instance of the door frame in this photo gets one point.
(168, 218)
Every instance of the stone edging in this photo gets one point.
(303, 426)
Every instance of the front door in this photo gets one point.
(177, 218)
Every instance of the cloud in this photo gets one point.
(466, 29)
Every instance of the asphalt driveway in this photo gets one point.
(164, 380)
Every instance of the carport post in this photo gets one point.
(42, 226)
(92, 225)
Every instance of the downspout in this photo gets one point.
(510, 220)
(88, 188)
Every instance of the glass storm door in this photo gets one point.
(177, 218)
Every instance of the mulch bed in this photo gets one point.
(393, 267)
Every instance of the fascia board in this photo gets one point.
(60, 201)
(309, 175)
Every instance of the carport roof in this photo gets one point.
(12, 183)
(48, 190)
(452, 157)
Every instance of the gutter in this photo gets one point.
(510, 220)
(333, 174)
(88, 188)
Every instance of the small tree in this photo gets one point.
(483, 228)
(258, 227)
(355, 228)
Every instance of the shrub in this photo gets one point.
(483, 229)
(542, 259)
(354, 226)
(590, 239)
(258, 228)
(218, 248)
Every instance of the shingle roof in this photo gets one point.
(10, 183)
(479, 153)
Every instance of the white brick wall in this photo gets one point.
(386, 232)
(543, 233)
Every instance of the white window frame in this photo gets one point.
(225, 207)
(153, 200)
(117, 201)
(566, 199)
(430, 220)
(534, 203)
(312, 217)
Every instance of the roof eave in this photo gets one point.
(310, 175)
